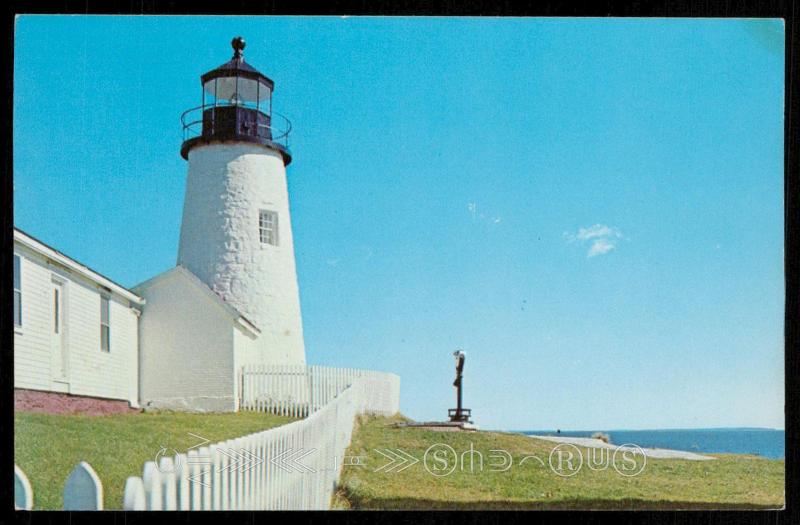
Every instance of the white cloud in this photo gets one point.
(600, 246)
(601, 238)
(598, 231)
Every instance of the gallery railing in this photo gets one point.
(210, 120)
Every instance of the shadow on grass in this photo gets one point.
(567, 504)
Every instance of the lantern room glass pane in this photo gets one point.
(246, 90)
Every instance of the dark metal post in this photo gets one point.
(459, 414)
(458, 404)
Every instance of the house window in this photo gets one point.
(105, 328)
(268, 227)
(17, 292)
(56, 312)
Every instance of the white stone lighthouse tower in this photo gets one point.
(236, 233)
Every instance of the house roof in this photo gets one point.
(180, 270)
(77, 267)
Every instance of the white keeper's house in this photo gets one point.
(179, 339)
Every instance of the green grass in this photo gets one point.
(730, 481)
(47, 447)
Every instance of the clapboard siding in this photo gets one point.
(32, 366)
(90, 371)
(93, 371)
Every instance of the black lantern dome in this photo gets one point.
(237, 106)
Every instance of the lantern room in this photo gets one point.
(236, 106)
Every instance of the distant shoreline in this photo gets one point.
(661, 453)
(768, 443)
(701, 429)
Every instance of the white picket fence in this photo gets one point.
(299, 390)
(292, 467)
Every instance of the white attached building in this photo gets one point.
(193, 345)
(75, 331)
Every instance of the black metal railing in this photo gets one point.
(205, 120)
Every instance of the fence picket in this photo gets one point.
(152, 486)
(83, 489)
(205, 466)
(168, 481)
(195, 480)
(182, 490)
(23, 492)
(134, 497)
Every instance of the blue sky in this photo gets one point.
(591, 208)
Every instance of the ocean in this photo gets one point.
(769, 443)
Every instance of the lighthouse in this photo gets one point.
(236, 231)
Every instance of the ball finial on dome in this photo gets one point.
(238, 44)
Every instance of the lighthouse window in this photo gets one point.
(268, 227)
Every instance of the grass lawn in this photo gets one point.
(730, 481)
(47, 447)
